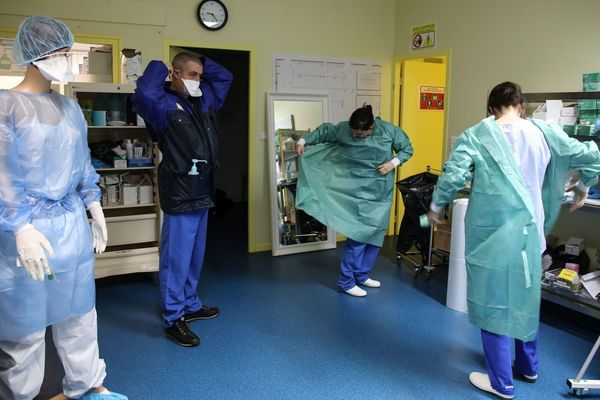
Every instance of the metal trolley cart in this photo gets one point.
(580, 386)
(416, 193)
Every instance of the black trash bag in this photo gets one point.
(103, 151)
(416, 194)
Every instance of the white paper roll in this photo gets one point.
(456, 296)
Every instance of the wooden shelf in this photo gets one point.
(115, 127)
(124, 169)
(566, 96)
(128, 206)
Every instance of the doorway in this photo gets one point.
(420, 108)
(228, 221)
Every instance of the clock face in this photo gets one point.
(212, 14)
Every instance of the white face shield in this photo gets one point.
(55, 67)
(192, 87)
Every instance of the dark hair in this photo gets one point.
(362, 118)
(505, 94)
(181, 59)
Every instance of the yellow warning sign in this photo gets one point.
(423, 36)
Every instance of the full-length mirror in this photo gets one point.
(291, 116)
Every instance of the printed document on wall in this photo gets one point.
(350, 83)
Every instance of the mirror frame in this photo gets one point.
(276, 248)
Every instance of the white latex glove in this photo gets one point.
(32, 247)
(99, 232)
(581, 194)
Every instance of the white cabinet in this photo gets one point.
(133, 225)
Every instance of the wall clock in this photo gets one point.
(212, 14)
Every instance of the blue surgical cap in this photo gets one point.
(38, 37)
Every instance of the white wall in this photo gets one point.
(544, 45)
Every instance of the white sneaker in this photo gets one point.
(356, 291)
(371, 283)
(482, 381)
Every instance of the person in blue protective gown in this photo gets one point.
(347, 183)
(518, 169)
(182, 114)
(46, 247)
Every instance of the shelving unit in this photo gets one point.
(124, 169)
(116, 127)
(582, 303)
(133, 229)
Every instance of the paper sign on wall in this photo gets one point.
(350, 83)
(423, 36)
(431, 98)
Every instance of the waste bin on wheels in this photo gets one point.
(416, 192)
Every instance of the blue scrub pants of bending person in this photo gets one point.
(357, 262)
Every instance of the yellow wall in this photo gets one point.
(338, 28)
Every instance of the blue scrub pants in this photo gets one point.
(357, 261)
(182, 246)
(498, 360)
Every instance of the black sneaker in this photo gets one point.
(203, 313)
(182, 334)
(523, 377)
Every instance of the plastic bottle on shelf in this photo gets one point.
(129, 149)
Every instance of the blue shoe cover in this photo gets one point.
(103, 396)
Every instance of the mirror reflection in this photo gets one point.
(290, 118)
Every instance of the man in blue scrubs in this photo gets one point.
(182, 115)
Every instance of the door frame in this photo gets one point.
(168, 43)
(397, 105)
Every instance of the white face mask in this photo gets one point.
(55, 68)
(192, 87)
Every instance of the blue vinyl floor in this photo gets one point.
(285, 332)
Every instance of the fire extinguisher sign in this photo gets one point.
(431, 98)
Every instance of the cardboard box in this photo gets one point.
(569, 129)
(574, 246)
(539, 115)
(119, 163)
(567, 121)
(442, 238)
(586, 105)
(145, 191)
(570, 111)
(129, 194)
(591, 87)
(591, 82)
(591, 77)
(550, 111)
(584, 130)
(588, 113)
(111, 184)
